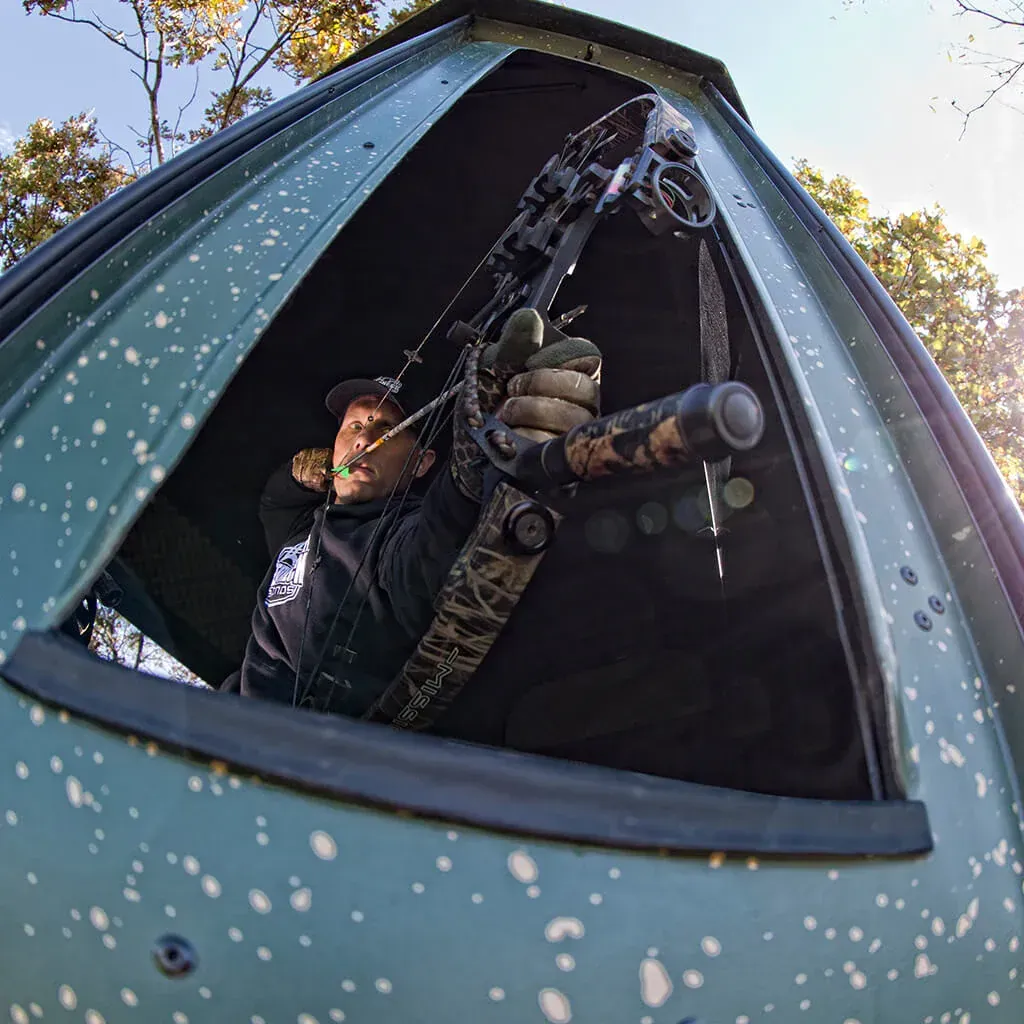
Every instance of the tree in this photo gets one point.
(116, 639)
(230, 41)
(53, 175)
(973, 330)
(1003, 23)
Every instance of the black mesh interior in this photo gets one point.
(630, 649)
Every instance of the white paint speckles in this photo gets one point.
(805, 1004)
(496, 995)
(999, 853)
(358, 916)
(56, 765)
(523, 867)
(94, 1017)
(858, 980)
(565, 962)
(810, 923)
(74, 791)
(693, 978)
(100, 920)
(892, 974)
(990, 945)
(235, 934)
(938, 926)
(190, 864)
(262, 838)
(131, 354)
(921, 942)
(204, 992)
(211, 886)
(1008, 905)
(710, 946)
(993, 998)
(170, 911)
(259, 901)
(801, 979)
(187, 421)
(1014, 944)
(923, 967)
(21, 770)
(301, 899)
(655, 983)
(323, 845)
(36, 715)
(876, 945)
(348, 985)
(263, 953)
(533, 891)
(981, 784)
(554, 1005)
(560, 928)
(882, 900)
(444, 863)
(477, 897)
(833, 875)
(418, 888)
(18, 1015)
(67, 998)
(856, 934)
(384, 986)
(179, 1018)
(161, 319)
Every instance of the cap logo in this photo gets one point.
(390, 383)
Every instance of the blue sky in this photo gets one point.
(862, 87)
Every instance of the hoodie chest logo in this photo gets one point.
(289, 573)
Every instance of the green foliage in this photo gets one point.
(973, 329)
(53, 175)
(406, 11)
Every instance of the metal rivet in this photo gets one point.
(936, 604)
(367, 145)
(909, 576)
(529, 528)
(174, 956)
(923, 620)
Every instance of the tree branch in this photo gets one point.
(967, 8)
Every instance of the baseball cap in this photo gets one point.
(342, 395)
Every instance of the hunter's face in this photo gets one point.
(393, 463)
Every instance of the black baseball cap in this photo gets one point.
(342, 395)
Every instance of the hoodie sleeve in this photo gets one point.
(420, 549)
(286, 507)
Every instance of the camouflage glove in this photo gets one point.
(311, 468)
(541, 392)
(520, 339)
(560, 389)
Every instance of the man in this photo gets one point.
(360, 560)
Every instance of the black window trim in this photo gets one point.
(483, 787)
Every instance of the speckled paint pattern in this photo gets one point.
(305, 909)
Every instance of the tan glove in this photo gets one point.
(559, 389)
(311, 468)
(541, 392)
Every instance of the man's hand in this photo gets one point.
(311, 467)
(540, 392)
(559, 389)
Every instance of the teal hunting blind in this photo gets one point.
(740, 736)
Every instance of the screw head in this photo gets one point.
(174, 956)
(529, 528)
(923, 620)
(936, 604)
(909, 576)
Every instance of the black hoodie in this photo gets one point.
(402, 550)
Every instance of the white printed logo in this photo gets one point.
(394, 386)
(288, 574)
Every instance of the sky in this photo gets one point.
(858, 87)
